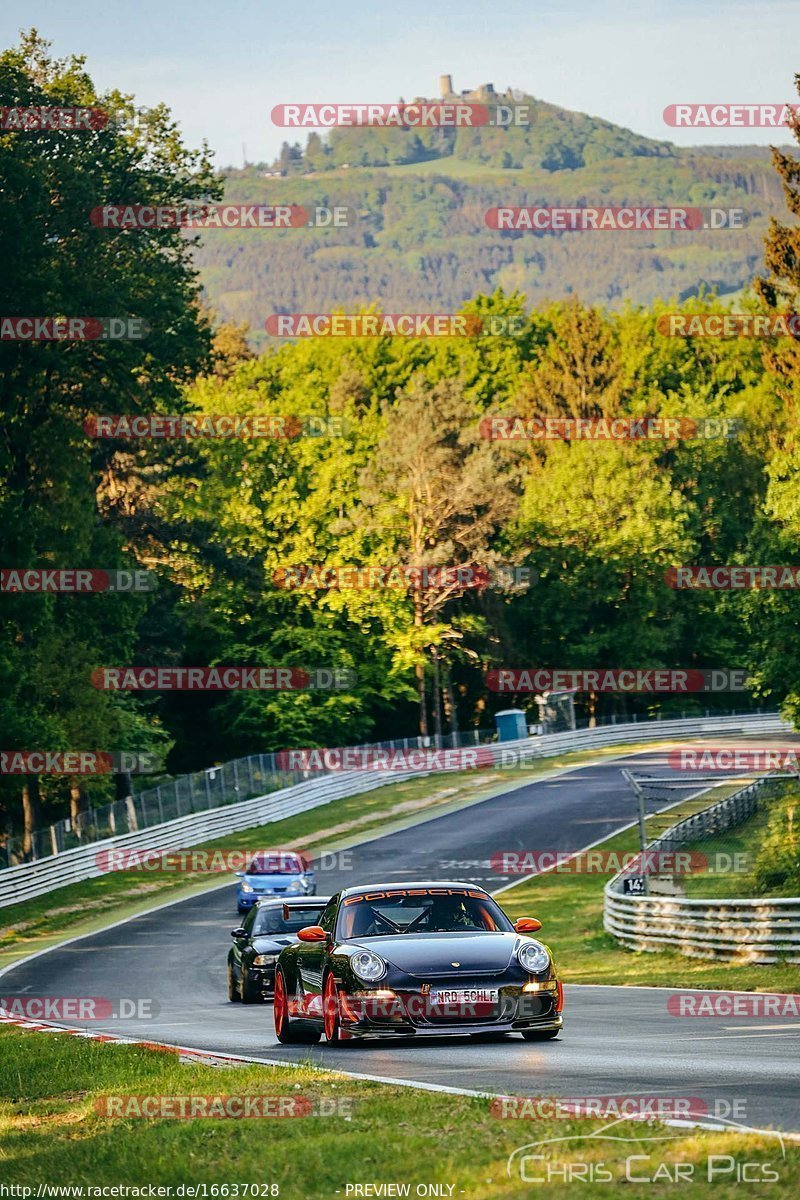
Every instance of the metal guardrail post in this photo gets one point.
(760, 930)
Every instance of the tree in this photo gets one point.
(579, 373)
(442, 493)
(773, 617)
(65, 497)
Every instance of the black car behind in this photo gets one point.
(268, 928)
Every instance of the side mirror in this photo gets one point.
(527, 925)
(239, 933)
(312, 933)
(239, 873)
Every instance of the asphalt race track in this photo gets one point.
(616, 1042)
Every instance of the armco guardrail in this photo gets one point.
(212, 787)
(743, 930)
(27, 880)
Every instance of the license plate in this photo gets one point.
(464, 995)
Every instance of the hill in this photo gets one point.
(418, 240)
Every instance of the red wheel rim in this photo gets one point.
(330, 1007)
(279, 1005)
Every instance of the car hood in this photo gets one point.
(427, 954)
(273, 943)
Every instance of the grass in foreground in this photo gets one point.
(89, 905)
(570, 907)
(51, 1132)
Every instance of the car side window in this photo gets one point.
(328, 918)
(247, 923)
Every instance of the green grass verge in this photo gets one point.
(52, 1133)
(730, 860)
(570, 907)
(90, 905)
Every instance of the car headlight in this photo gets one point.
(264, 960)
(295, 887)
(533, 957)
(368, 966)
(247, 887)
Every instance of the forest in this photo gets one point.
(375, 455)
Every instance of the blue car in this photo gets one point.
(275, 873)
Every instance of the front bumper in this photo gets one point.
(246, 900)
(409, 1013)
(263, 978)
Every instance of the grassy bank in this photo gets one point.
(570, 907)
(760, 857)
(730, 857)
(51, 1132)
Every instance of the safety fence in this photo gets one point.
(760, 930)
(200, 791)
(86, 861)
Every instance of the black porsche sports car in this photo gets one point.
(267, 929)
(411, 959)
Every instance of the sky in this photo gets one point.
(222, 67)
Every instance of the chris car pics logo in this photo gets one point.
(626, 1152)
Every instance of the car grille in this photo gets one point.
(490, 1013)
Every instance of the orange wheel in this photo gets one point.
(334, 1034)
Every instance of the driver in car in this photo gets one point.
(449, 914)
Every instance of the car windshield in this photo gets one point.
(416, 910)
(275, 864)
(272, 920)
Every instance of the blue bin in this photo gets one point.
(511, 724)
